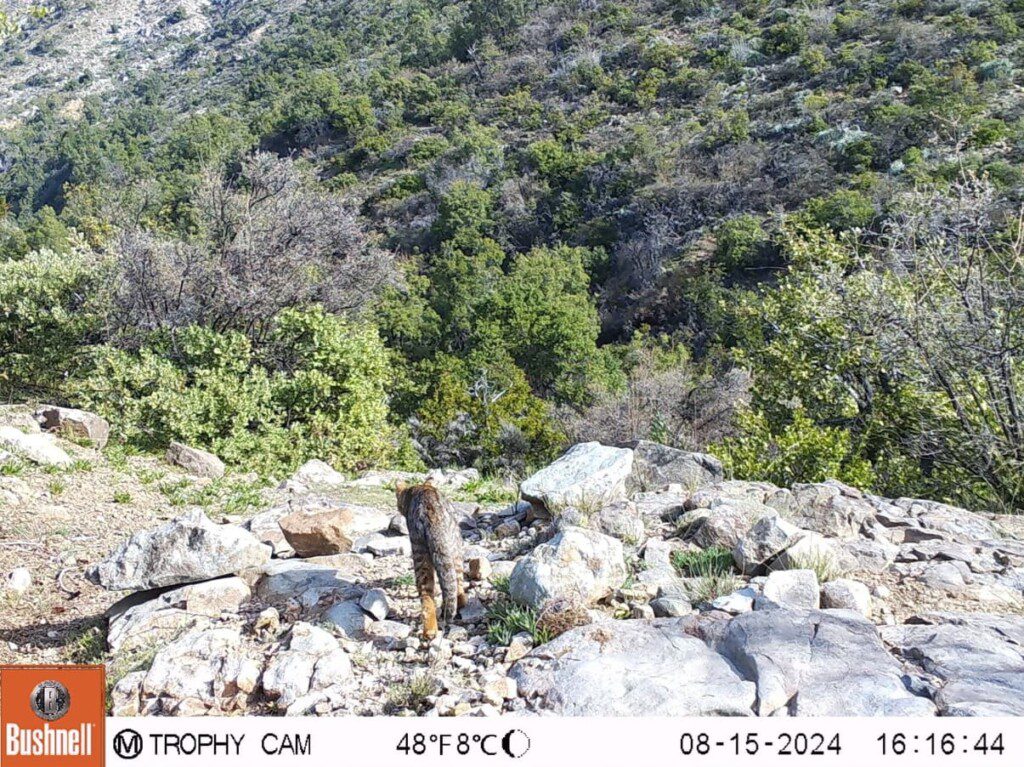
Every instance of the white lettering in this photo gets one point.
(48, 741)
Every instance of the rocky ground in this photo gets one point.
(624, 580)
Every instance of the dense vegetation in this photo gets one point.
(467, 232)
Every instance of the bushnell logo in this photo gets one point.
(50, 700)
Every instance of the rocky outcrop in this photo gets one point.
(655, 466)
(318, 533)
(632, 668)
(589, 474)
(79, 425)
(195, 461)
(185, 550)
(576, 564)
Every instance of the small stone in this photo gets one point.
(881, 591)
(474, 611)
(375, 602)
(479, 569)
(671, 607)
(195, 461)
(508, 529)
(349, 619)
(398, 525)
(384, 546)
(520, 645)
(846, 594)
(497, 688)
(19, 580)
(318, 533)
(794, 589)
(268, 620)
(737, 602)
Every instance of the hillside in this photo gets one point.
(789, 232)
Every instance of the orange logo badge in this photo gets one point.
(52, 716)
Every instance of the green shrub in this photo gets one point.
(51, 306)
(740, 242)
(845, 209)
(317, 391)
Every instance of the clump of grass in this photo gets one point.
(12, 468)
(824, 566)
(412, 694)
(149, 476)
(501, 584)
(712, 569)
(715, 560)
(505, 619)
(57, 487)
(487, 490)
(88, 647)
(122, 496)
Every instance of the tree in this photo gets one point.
(267, 241)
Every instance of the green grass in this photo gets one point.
(88, 647)
(487, 491)
(57, 487)
(226, 495)
(12, 468)
(824, 566)
(505, 619)
(122, 496)
(706, 562)
(712, 569)
(412, 694)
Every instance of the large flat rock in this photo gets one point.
(633, 668)
(975, 661)
(818, 663)
(187, 549)
(587, 475)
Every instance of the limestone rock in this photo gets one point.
(306, 582)
(589, 473)
(318, 533)
(827, 508)
(576, 563)
(187, 549)
(655, 466)
(19, 580)
(38, 448)
(762, 542)
(978, 659)
(846, 594)
(202, 671)
(727, 521)
(793, 589)
(313, 661)
(632, 668)
(316, 473)
(74, 424)
(195, 461)
(135, 624)
(814, 663)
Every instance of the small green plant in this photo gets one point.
(412, 694)
(88, 647)
(823, 564)
(709, 587)
(12, 468)
(500, 584)
(505, 619)
(486, 490)
(405, 580)
(57, 487)
(178, 492)
(137, 659)
(712, 561)
(122, 496)
(149, 476)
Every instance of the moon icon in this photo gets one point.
(515, 743)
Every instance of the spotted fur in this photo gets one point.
(436, 547)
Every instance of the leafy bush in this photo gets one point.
(318, 390)
(51, 307)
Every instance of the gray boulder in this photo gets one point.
(588, 474)
(793, 589)
(575, 564)
(976, 660)
(816, 663)
(828, 508)
(632, 668)
(36, 447)
(655, 466)
(74, 424)
(195, 461)
(846, 594)
(313, 661)
(187, 549)
(307, 582)
(762, 542)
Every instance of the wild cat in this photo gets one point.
(436, 546)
